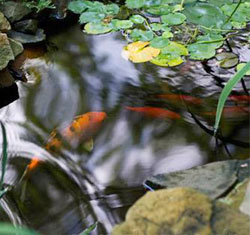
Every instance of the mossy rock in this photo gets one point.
(181, 211)
(4, 24)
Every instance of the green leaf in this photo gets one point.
(135, 3)
(167, 35)
(159, 27)
(4, 156)
(86, 17)
(176, 49)
(112, 9)
(173, 18)
(121, 24)
(204, 14)
(137, 19)
(141, 35)
(240, 66)
(97, 28)
(227, 59)
(9, 229)
(159, 42)
(89, 229)
(159, 10)
(226, 91)
(78, 6)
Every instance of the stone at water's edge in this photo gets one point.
(6, 53)
(17, 47)
(26, 26)
(4, 24)
(182, 211)
(213, 179)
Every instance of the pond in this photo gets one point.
(73, 188)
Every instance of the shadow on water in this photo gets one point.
(74, 188)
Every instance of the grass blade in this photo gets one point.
(9, 229)
(4, 158)
(226, 91)
(88, 230)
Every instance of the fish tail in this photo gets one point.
(34, 163)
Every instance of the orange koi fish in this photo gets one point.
(176, 98)
(240, 98)
(81, 129)
(155, 112)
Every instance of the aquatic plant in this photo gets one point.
(39, 5)
(176, 29)
(226, 91)
(6, 228)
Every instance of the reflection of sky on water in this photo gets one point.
(89, 74)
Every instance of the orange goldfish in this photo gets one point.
(155, 112)
(82, 129)
(177, 98)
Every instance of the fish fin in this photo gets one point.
(88, 145)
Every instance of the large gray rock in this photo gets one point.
(26, 26)
(6, 53)
(4, 24)
(181, 211)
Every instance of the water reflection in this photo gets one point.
(75, 188)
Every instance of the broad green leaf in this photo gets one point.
(78, 6)
(167, 35)
(135, 3)
(137, 19)
(159, 27)
(159, 10)
(173, 18)
(112, 9)
(159, 42)
(175, 48)
(86, 17)
(141, 35)
(122, 24)
(227, 59)
(139, 52)
(9, 229)
(226, 91)
(204, 14)
(240, 66)
(97, 28)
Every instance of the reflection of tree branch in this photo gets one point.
(220, 137)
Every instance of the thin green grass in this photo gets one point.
(225, 93)
(88, 230)
(9, 229)
(3, 160)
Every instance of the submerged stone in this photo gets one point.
(27, 38)
(181, 211)
(4, 24)
(6, 53)
(14, 11)
(26, 26)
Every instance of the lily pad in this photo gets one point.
(227, 59)
(141, 35)
(139, 52)
(160, 27)
(137, 19)
(97, 28)
(159, 10)
(173, 18)
(213, 179)
(14, 11)
(27, 38)
(135, 3)
(86, 17)
(159, 42)
(78, 6)
(121, 24)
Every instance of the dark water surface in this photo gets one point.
(73, 188)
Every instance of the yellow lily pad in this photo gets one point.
(139, 52)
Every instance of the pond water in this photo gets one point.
(73, 188)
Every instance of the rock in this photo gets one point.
(169, 211)
(239, 197)
(6, 80)
(26, 26)
(27, 38)
(5, 51)
(14, 11)
(181, 211)
(213, 179)
(4, 24)
(17, 47)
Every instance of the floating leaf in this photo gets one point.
(135, 3)
(159, 42)
(97, 28)
(122, 24)
(9, 229)
(112, 9)
(141, 35)
(227, 59)
(78, 6)
(86, 17)
(137, 19)
(159, 27)
(159, 10)
(173, 18)
(139, 52)
(167, 35)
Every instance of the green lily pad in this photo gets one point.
(137, 19)
(122, 24)
(97, 28)
(78, 6)
(141, 35)
(87, 17)
(240, 66)
(159, 27)
(159, 10)
(227, 59)
(112, 9)
(167, 34)
(213, 179)
(173, 18)
(204, 14)
(135, 3)
(159, 42)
